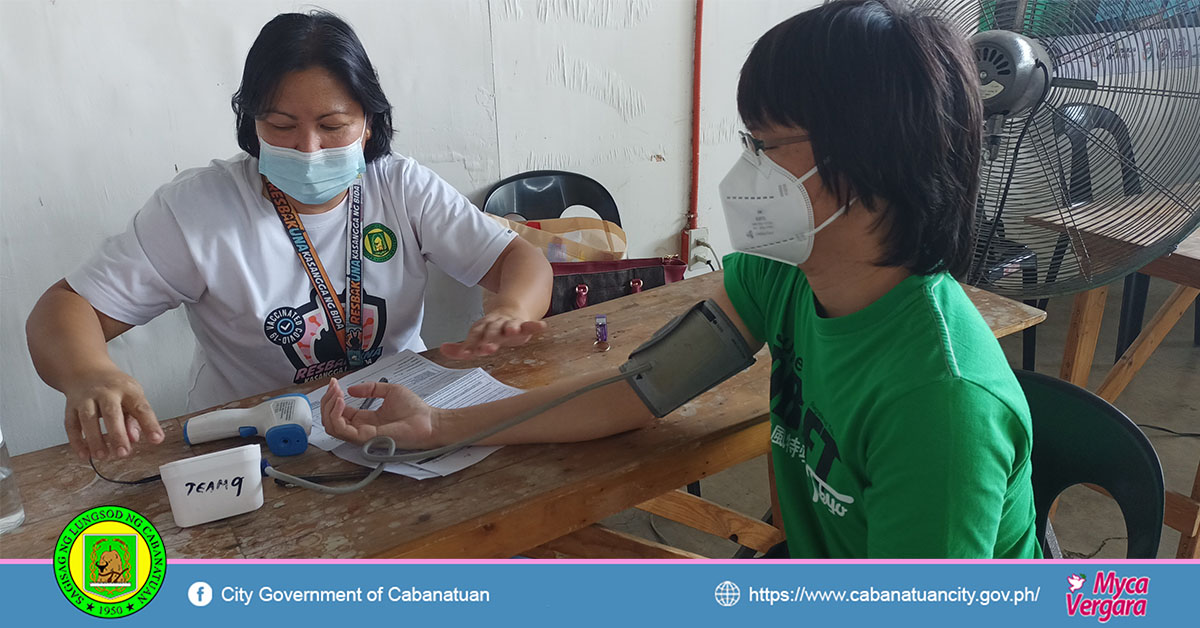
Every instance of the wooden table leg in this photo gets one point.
(1189, 540)
(597, 541)
(1086, 314)
(1146, 342)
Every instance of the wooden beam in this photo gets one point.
(1189, 544)
(1181, 266)
(1086, 314)
(1136, 355)
(714, 519)
(1182, 513)
(597, 541)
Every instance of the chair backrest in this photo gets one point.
(1078, 121)
(544, 194)
(1080, 438)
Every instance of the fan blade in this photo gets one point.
(991, 15)
(984, 21)
(1018, 18)
(1070, 83)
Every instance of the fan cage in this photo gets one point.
(1105, 177)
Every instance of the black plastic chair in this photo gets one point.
(1080, 438)
(545, 194)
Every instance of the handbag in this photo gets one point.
(571, 239)
(580, 284)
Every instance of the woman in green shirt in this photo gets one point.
(898, 429)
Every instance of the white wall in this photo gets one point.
(102, 102)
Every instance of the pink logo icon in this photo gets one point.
(1076, 581)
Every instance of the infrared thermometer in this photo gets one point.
(285, 421)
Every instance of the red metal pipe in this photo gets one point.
(692, 214)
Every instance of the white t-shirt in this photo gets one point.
(211, 241)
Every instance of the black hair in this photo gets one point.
(889, 97)
(297, 41)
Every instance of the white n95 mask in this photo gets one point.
(768, 211)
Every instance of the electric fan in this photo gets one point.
(1091, 138)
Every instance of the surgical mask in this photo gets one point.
(768, 211)
(312, 178)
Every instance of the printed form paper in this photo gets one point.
(439, 386)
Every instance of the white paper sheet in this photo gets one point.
(439, 386)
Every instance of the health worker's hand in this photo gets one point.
(106, 413)
(498, 328)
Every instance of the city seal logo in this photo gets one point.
(379, 243)
(109, 562)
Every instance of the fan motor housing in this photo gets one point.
(1010, 80)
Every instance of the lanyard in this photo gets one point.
(347, 328)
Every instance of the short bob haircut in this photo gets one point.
(889, 97)
(297, 41)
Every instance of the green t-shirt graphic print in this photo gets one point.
(896, 431)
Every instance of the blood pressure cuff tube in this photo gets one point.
(689, 355)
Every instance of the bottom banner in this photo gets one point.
(608, 593)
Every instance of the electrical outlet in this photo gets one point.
(698, 255)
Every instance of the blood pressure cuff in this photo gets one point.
(694, 352)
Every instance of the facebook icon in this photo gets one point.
(200, 594)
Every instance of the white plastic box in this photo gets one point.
(214, 486)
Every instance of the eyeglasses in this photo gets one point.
(755, 145)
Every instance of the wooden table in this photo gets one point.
(1182, 267)
(533, 499)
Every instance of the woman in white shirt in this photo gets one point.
(301, 258)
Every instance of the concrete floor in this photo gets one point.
(1165, 392)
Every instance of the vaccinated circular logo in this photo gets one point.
(728, 593)
(110, 562)
(284, 326)
(379, 243)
